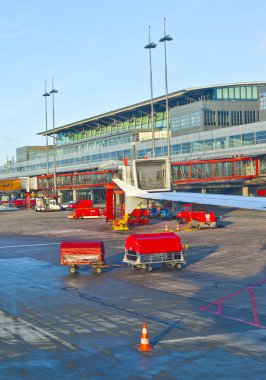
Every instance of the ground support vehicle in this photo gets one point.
(166, 214)
(76, 253)
(196, 216)
(46, 204)
(121, 224)
(144, 250)
(87, 213)
(139, 216)
(82, 203)
(64, 206)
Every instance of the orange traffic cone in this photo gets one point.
(166, 228)
(144, 343)
(177, 228)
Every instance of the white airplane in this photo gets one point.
(134, 196)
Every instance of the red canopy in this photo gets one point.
(153, 243)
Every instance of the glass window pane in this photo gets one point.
(249, 94)
(225, 93)
(231, 93)
(219, 93)
(237, 92)
(243, 93)
(261, 137)
(254, 92)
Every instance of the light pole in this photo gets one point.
(47, 159)
(151, 45)
(164, 39)
(53, 91)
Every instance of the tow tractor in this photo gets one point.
(196, 216)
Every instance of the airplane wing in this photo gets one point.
(134, 196)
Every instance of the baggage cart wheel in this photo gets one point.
(148, 268)
(73, 269)
(178, 266)
(98, 270)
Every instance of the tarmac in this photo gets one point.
(207, 319)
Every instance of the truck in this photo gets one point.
(87, 213)
(142, 251)
(47, 204)
(82, 203)
(197, 216)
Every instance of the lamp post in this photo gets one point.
(53, 91)
(164, 39)
(151, 45)
(45, 96)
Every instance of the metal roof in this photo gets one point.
(142, 108)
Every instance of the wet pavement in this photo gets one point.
(206, 320)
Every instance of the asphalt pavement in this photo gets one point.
(206, 320)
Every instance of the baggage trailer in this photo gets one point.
(76, 253)
(144, 250)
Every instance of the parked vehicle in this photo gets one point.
(80, 203)
(144, 250)
(166, 214)
(138, 216)
(87, 213)
(197, 216)
(46, 204)
(65, 206)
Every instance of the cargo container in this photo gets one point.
(76, 253)
(144, 250)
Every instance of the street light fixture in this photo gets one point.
(45, 96)
(151, 45)
(164, 39)
(54, 148)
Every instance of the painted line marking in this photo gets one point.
(252, 298)
(28, 245)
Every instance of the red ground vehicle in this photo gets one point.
(81, 203)
(197, 216)
(21, 202)
(143, 250)
(78, 253)
(138, 216)
(87, 213)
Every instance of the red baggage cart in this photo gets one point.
(76, 253)
(143, 250)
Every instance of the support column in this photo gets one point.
(74, 194)
(245, 191)
(92, 195)
(27, 199)
(203, 191)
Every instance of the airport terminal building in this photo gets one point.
(217, 144)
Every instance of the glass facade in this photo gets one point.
(136, 123)
(236, 93)
(228, 118)
(186, 121)
(208, 145)
(214, 170)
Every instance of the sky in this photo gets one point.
(95, 52)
